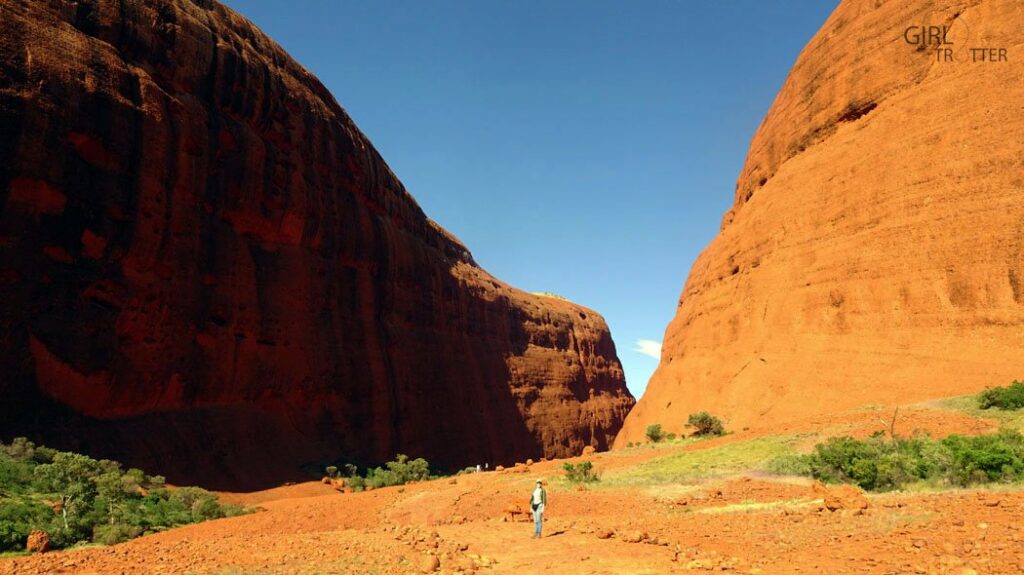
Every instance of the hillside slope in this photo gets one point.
(875, 249)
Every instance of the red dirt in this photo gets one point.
(743, 524)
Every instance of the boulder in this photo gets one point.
(38, 542)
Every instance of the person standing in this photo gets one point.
(537, 503)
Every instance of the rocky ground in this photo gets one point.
(729, 517)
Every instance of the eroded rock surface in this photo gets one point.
(206, 269)
(875, 250)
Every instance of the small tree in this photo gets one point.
(654, 432)
(705, 424)
(332, 471)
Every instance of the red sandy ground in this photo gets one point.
(739, 524)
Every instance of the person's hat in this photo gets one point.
(539, 481)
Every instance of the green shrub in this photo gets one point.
(332, 471)
(92, 499)
(654, 432)
(356, 482)
(880, 464)
(789, 464)
(580, 473)
(1010, 397)
(114, 534)
(398, 472)
(671, 437)
(705, 424)
(17, 518)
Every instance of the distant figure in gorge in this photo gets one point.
(537, 503)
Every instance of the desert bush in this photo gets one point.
(654, 432)
(705, 424)
(332, 471)
(670, 437)
(1010, 397)
(880, 464)
(789, 464)
(114, 534)
(92, 499)
(356, 482)
(398, 472)
(582, 472)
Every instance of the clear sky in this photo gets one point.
(582, 147)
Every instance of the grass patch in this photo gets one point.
(751, 506)
(968, 404)
(13, 554)
(686, 466)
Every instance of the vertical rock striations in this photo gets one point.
(207, 270)
(875, 249)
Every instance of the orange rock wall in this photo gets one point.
(208, 271)
(875, 250)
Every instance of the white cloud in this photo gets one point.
(648, 347)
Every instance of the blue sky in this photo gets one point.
(587, 148)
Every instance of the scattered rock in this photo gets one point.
(633, 536)
(604, 533)
(588, 450)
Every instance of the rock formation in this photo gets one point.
(875, 250)
(206, 269)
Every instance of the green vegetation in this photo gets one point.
(685, 466)
(705, 424)
(398, 472)
(551, 295)
(968, 404)
(581, 473)
(75, 498)
(654, 432)
(671, 437)
(881, 464)
(1007, 398)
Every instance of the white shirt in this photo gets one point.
(537, 496)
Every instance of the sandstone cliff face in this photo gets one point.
(875, 250)
(208, 271)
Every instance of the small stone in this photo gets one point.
(429, 564)
(633, 536)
